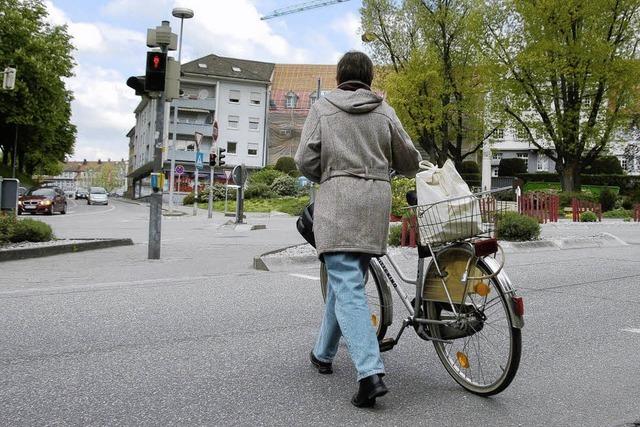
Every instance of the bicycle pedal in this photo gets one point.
(387, 344)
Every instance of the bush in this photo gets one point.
(264, 176)
(472, 179)
(512, 167)
(566, 197)
(188, 199)
(469, 167)
(284, 186)
(628, 184)
(588, 217)
(285, 165)
(513, 226)
(618, 213)
(399, 188)
(7, 224)
(259, 191)
(607, 165)
(30, 230)
(395, 233)
(607, 199)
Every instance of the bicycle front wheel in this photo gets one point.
(375, 298)
(482, 351)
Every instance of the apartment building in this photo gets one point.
(232, 92)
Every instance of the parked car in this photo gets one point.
(97, 196)
(81, 193)
(43, 200)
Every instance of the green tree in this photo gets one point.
(432, 72)
(39, 107)
(564, 71)
(107, 176)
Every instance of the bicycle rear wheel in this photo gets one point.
(373, 292)
(483, 359)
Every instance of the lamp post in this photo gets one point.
(182, 13)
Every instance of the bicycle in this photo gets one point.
(464, 303)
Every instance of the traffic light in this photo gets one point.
(156, 70)
(220, 153)
(212, 159)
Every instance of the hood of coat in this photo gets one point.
(354, 102)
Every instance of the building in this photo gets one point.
(294, 88)
(111, 175)
(233, 92)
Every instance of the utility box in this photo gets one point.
(9, 194)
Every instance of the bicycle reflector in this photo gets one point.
(518, 305)
(463, 360)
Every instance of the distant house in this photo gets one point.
(84, 174)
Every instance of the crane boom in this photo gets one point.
(301, 7)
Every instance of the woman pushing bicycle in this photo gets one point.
(350, 140)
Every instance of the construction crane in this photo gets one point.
(301, 8)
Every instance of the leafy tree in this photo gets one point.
(39, 107)
(609, 165)
(285, 165)
(565, 71)
(432, 72)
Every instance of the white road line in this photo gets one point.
(111, 207)
(634, 330)
(304, 276)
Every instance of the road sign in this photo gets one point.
(179, 169)
(215, 132)
(227, 173)
(199, 160)
(239, 175)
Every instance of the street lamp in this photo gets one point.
(182, 13)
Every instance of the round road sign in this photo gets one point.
(179, 169)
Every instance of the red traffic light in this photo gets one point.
(156, 61)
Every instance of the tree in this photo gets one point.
(431, 72)
(565, 72)
(39, 106)
(604, 165)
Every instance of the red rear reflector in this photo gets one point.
(518, 305)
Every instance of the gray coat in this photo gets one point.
(349, 141)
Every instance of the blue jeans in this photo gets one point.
(347, 314)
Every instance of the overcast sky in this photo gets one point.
(110, 36)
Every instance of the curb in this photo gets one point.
(276, 263)
(90, 244)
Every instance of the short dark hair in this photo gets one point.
(355, 65)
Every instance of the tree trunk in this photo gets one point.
(570, 177)
(5, 157)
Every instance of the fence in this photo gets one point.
(636, 213)
(579, 206)
(408, 236)
(542, 206)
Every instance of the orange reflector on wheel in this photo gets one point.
(463, 360)
(482, 289)
(374, 320)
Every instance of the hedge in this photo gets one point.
(26, 230)
(627, 183)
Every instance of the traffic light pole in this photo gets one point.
(155, 206)
(210, 215)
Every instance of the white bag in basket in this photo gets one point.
(449, 221)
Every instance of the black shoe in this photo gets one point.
(322, 367)
(370, 388)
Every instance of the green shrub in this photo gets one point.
(30, 230)
(606, 165)
(7, 224)
(472, 179)
(259, 191)
(284, 186)
(566, 197)
(627, 203)
(285, 165)
(512, 167)
(588, 217)
(513, 226)
(399, 188)
(264, 176)
(469, 167)
(395, 233)
(607, 199)
(188, 199)
(618, 213)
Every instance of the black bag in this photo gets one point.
(305, 225)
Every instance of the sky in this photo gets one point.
(110, 41)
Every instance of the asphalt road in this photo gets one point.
(200, 338)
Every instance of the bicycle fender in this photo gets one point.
(386, 292)
(507, 288)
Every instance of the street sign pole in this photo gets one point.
(198, 138)
(239, 176)
(214, 135)
(227, 173)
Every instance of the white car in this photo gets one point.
(97, 196)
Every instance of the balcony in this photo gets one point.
(191, 128)
(200, 104)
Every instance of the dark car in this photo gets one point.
(81, 193)
(43, 200)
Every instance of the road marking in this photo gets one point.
(111, 207)
(304, 276)
(634, 330)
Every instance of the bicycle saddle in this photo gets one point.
(412, 197)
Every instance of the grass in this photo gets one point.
(595, 189)
(288, 205)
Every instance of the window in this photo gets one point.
(291, 100)
(252, 150)
(234, 96)
(209, 119)
(254, 123)
(521, 133)
(233, 122)
(232, 147)
(623, 163)
(494, 172)
(496, 156)
(285, 132)
(499, 133)
(523, 156)
(543, 163)
(586, 102)
(255, 98)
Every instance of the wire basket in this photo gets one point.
(463, 218)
